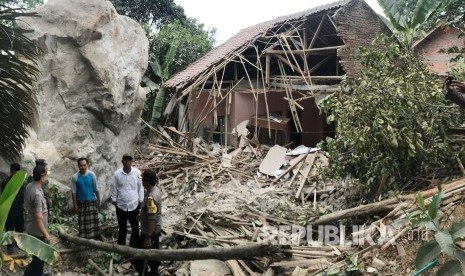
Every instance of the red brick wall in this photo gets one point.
(357, 25)
(430, 46)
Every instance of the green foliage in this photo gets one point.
(349, 268)
(102, 261)
(457, 70)
(23, 4)
(451, 13)
(451, 268)
(172, 49)
(6, 200)
(155, 13)
(175, 41)
(26, 242)
(426, 253)
(178, 44)
(407, 16)
(444, 239)
(8, 196)
(58, 213)
(392, 121)
(34, 246)
(17, 105)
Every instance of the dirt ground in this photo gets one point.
(396, 263)
(401, 264)
(226, 197)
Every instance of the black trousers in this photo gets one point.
(123, 217)
(14, 222)
(36, 267)
(141, 266)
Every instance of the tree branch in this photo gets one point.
(229, 253)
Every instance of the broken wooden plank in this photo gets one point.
(297, 161)
(303, 263)
(309, 160)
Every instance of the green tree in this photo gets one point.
(452, 12)
(392, 122)
(154, 13)
(18, 56)
(22, 4)
(408, 17)
(172, 49)
(175, 41)
(190, 40)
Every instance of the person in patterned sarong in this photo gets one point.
(86, 200)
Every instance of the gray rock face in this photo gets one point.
(88, 93)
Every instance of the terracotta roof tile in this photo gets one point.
(237, 43)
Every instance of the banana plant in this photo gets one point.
(407, 23)
(162, 72)
(24, 241)
(8, 196)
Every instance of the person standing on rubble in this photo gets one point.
(127, 195)
(48, 198)
(86, 200)
(36, 215)
(150, 222)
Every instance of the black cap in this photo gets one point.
(15, 167)
(41, 162)
(39, 171)
(127, 156)
(151, 176)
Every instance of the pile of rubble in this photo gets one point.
(221, 196)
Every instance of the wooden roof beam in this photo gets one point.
(318, 65)
(331, 48)
(286, 61)
(317, 32)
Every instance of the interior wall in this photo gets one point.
(243, 108)
(312, 122)
(201, 106)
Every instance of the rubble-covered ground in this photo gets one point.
(215, 196)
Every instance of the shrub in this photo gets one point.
(392, 121)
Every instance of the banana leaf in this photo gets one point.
(33, 246)
(8, 196)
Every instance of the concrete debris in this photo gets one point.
(228, 196)
(273, 160)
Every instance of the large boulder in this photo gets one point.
(88, 93)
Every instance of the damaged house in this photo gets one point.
(430, 46)
(268, 78)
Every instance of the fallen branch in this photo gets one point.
(60, 251)
(381, 206)
(231, 253)
(96, 267)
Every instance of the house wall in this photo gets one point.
(243, 108)
(311, 121)
(440, 39)
(357, 24)
(199, 104)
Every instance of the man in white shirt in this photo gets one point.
(127, 194)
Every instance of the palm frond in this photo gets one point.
(18, 72)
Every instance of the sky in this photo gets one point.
(230, 16)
